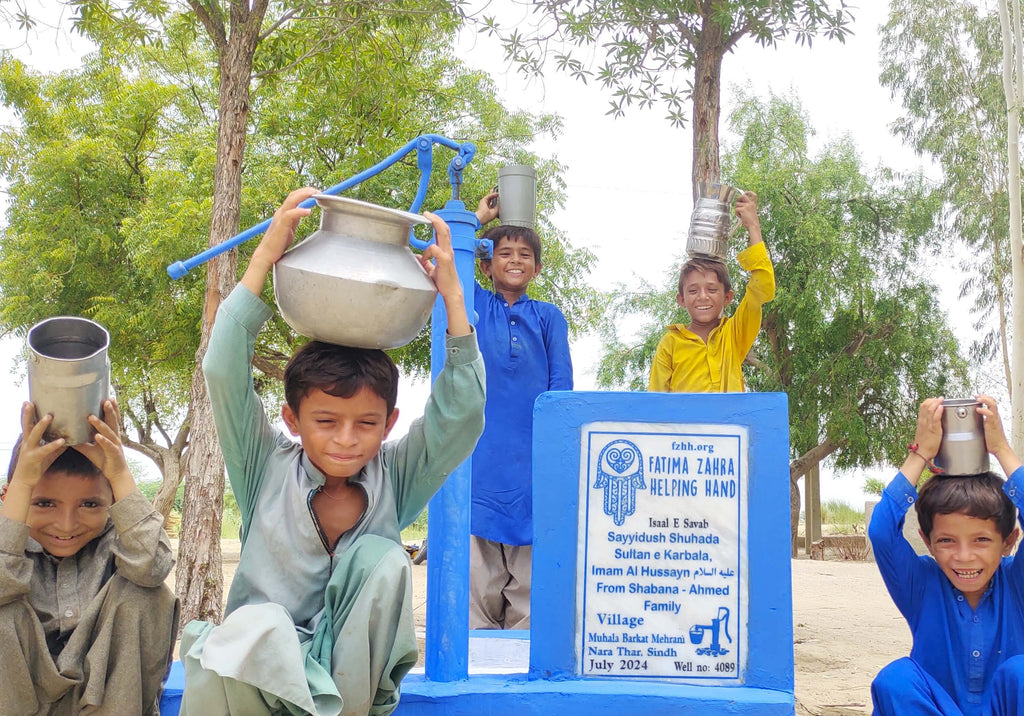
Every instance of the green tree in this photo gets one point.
(78, 170)
(942, 59)
(178, 172)
(646, 43)
(855, 335)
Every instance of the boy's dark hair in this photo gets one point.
(340, 371)
(512, 233)
(705, 265)
(70, 462)
(978, 496)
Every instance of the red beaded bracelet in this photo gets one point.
(935, 469)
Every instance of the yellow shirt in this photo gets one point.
(684, 363)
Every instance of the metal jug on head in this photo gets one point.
(963, 450)
(712, 223)
(354, 282)
(517, 195)
(68, 375)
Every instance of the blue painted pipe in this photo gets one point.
(423, 146)
(447, 655)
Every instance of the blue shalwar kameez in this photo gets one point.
(963, 661)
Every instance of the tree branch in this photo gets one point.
(212, 21)
(800, 466)
(268, 367)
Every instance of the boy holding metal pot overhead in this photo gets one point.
(319, 616)
(87, 624)
(525, 344)
(964, 604)
(706, 355)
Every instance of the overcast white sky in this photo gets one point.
(628, 195)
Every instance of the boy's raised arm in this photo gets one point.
(487, 209)
(442, 272)
(746, 210)
(276, 240)
(142, 551)
(927, 438)
(34, 459)
(995, 436)
(107, 453)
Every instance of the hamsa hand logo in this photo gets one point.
(620, 472)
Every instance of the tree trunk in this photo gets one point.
(1012, 77)
(794, 514)
(163, 502)
(167, 459)
(707, 103)
(200, 581)
(797, 469)
(812, 457)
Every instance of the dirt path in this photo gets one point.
(845, 628)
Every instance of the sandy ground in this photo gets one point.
(845, 628)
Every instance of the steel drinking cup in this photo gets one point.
(963, 450)
(517, 195)
(712, 223)
(68, 375)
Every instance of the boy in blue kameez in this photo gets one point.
(965, 607)
(319, 616)
(525, 344)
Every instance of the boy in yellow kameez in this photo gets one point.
(706, 355)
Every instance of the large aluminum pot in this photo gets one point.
(963, 450)
(68, 375)
(355, 282)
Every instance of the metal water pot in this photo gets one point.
(68, 375)
(712, 223)
(963, 450)
(354, 282)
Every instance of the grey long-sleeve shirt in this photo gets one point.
(283, 558)
(133, 545)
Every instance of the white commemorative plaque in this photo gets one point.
(662, 567)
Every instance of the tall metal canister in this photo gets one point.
(963, 450)
(68, 375)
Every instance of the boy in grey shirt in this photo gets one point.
(86, 622)
(319, 615)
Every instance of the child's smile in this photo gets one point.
(512, 267)
(68, 511)
(968, 550)
(704, 298)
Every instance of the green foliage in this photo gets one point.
(874, 486)
(943, 60)
(231, 519)
(78, 167)
(844, 518)
(855, 335)
(111, 171)
(647, 43)
(417, 531)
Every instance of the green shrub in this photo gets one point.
(874, 486)
(843, 518)
(417, 530)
